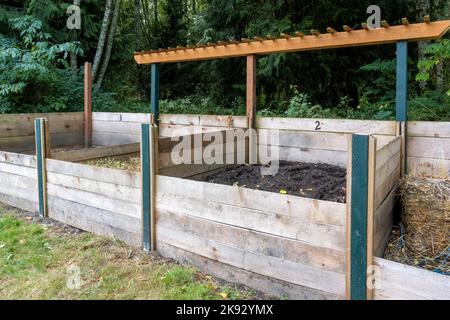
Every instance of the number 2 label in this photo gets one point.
(318, 126)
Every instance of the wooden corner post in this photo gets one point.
(401, 100)
(360, 216)
(154, 92)
(251, 91)
(42, 145)
(149, 167)
(87, 105)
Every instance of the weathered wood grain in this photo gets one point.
(310, 210)
(402, 282)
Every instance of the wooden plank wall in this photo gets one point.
(99, 200)
(402, 282)
(121, 128)
(167, 166)
(18, 176)
(96, 153)
(387, 173)
(17, 130)
(321, 140)
(428, 148)
(298, 242)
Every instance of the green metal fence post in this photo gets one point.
(154, 92)
(41, 151)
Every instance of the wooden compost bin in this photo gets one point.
(280, 244)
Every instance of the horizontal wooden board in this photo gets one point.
(382, 173)
(327, 236)
(19, 192)
(252, 241)
(383, 221)
(228, 156)
(18, 159)
(435, 148)
(13, 180)
(119, 177)
(94, 200)
(385, 153)
(110, 190)
(29, 117)
(438, 168)
(112, 127)
(19, 129)
(329, 125)
(328, 281)
(204, 120)
(311, 210)
(21, 203)
(321, 41)
(174, 130)
(18, 170)
(97, 221)
(304, 139)
(268, 285)
(189, 170)
(95, 153)
(121, 117)
(25, 143)
(113, 139)
(383, 190)
(338, 158)
(428, 129)
(402, 282)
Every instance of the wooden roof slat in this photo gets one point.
(391, 34)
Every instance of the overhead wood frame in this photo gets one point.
(300, 42)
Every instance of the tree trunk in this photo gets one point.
(155, 8)
(422, 9)
(112, 32)
(440, 13)
(137, 24)
(73, 55)
(138, 32)
(102, 39)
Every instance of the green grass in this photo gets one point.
(41, 262)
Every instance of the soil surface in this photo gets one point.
(310, 180)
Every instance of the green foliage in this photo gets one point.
(435, 54)
(32, 68)
(348, 83)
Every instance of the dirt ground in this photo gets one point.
(310, 180)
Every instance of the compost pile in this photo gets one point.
(120, 163)
(310, 180)
(423, 237)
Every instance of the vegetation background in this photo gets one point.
(41, 60)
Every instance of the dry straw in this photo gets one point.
(427, 214)
(424, 236)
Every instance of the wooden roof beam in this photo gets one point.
(391, 34)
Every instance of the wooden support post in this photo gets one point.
(371, 215)
(149, 156)
(360, 215)
(87, 105)
(41, 151)
(154, 92)
(251, 109)
(402, 98)
(251, 91)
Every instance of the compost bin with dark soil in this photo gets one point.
(310, 180)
